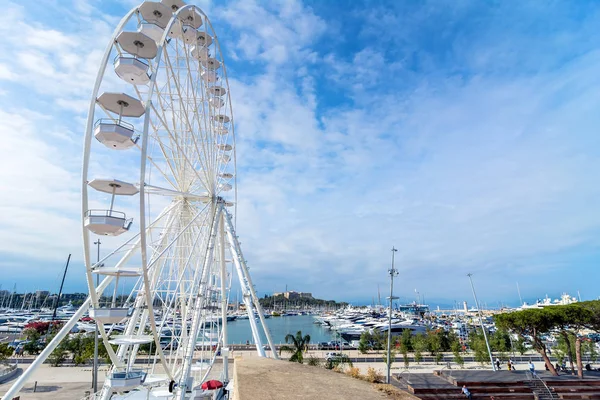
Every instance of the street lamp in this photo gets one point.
(393, 272)
(481, 322)
(95, 372)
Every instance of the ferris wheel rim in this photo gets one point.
(143, 156)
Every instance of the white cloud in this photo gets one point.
(464, 165)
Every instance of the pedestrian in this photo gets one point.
(509, 365)
(466, 392)
(497, 364)
(247, 342)
(557, 367)
(532, 368)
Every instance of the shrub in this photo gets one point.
(59, 355)
(5, 351)
(374, 376)
(354, 372)
(314, 361)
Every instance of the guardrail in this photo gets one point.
(533, 377)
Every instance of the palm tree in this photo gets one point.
(299, 345)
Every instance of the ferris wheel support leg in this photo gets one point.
(246, 280)
(39, 360)
(224, 348)
(198, 304)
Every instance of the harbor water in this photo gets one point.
(239, 330)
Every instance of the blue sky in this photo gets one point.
(465, 133)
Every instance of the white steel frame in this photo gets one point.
(197, 229)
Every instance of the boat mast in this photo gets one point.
(61, 288)
(519, 290)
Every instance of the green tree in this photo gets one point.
(406, 340)
(533, 323)
(59, 354)
(458, 358)
(420, 345)
(392, 357)
(570, 320)
(363, 344)
(589, 349)
(500, 341)
(434, 342)
(299, 346)
(405, 357)
(520, 346)
(81, 347)
(478, 346)
(5, 351)
(33, 341)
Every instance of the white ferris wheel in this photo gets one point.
(158, 183)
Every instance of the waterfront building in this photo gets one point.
(293, 295)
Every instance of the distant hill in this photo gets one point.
(280, 302)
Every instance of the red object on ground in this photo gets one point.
(212, 385)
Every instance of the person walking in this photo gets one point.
(532, 368)
(466, 392)
(509, 365)
(497, 364)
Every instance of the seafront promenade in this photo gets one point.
(72, 382)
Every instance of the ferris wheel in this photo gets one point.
(159, 185)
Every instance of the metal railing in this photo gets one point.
(533, 377)
(408, 371)
(106, 213)
(109, 121)
(119, 57)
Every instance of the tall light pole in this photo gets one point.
(481, 322)
(95, 372)
(393, 272)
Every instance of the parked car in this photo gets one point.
(322, 346)
(332, 356)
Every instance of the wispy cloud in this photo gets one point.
(464, 133)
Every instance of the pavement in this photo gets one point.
(70, 382)
(269, 379)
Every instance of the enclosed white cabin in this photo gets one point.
(224, 146)
(155, 18)
(209, 76)
(132, 70)
(112, 315)
(189, 34)
(204, 39)
(126, 380)
(200, 52)
(107, 222)
(221, 118)
(118, 135)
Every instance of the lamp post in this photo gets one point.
(393, 272)
(95, 369)
(481, 322)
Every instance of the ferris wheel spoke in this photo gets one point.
(202, 130)
(170, 72)
(179, 150)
